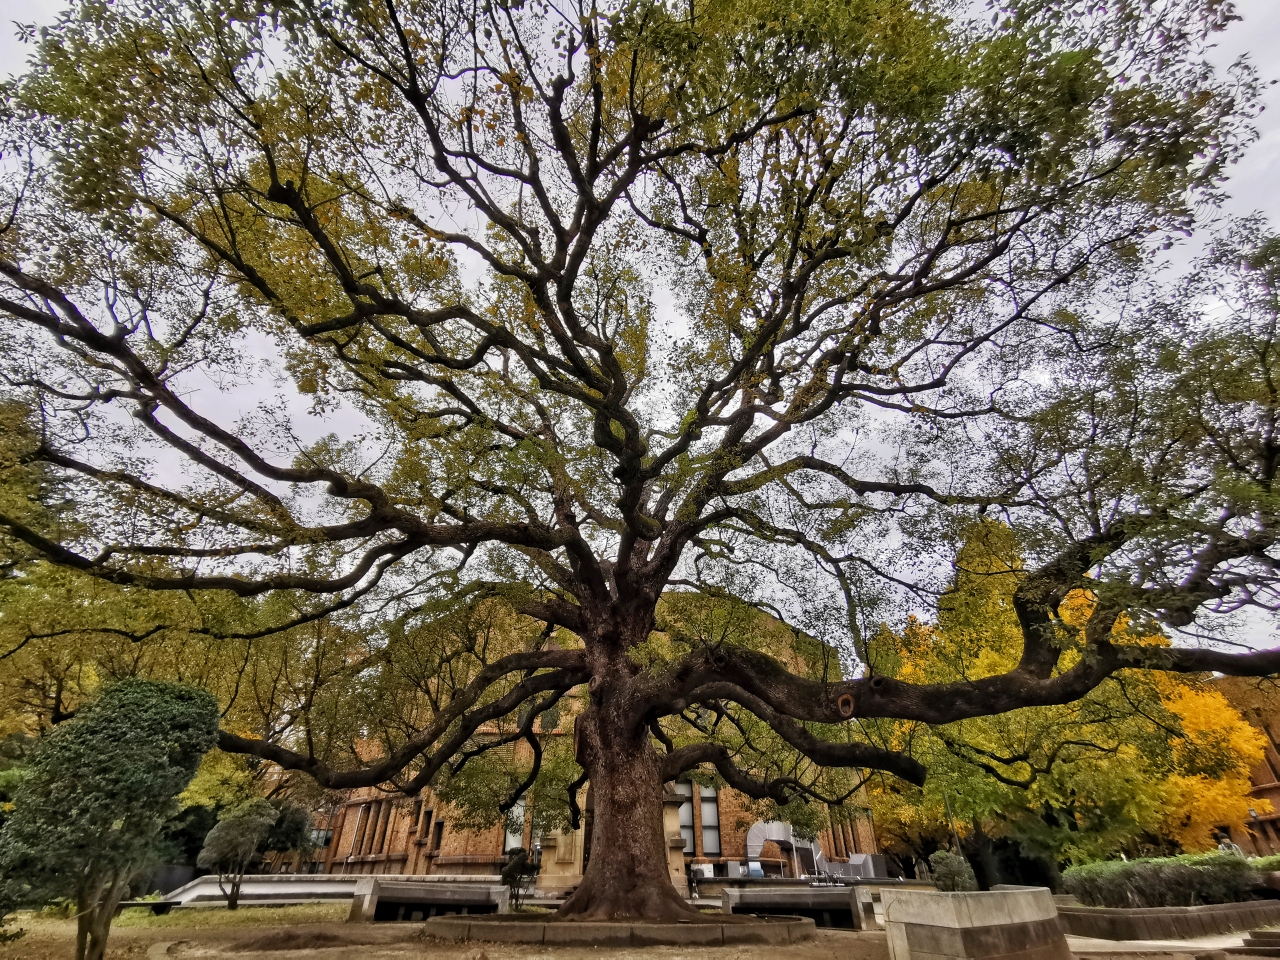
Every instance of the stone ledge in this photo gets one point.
(589, 934)
(1168, 923)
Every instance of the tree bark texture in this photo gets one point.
(99, 929)
(82, 929)
(628, 875)
(95, 910)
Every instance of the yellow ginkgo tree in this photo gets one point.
(1146, 763)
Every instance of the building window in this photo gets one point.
(322, 838)
(837, 832)
(710, 822)
(437, 835)
(685, 792)
(515, 827)
(357, 831)
(416, 820)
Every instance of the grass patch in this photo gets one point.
(207, 917)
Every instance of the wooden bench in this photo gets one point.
(158, 907)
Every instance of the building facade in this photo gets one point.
(371, 832)
(1259, 703)
(709, 831)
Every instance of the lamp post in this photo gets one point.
(952, 820)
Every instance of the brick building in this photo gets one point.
(376, 833)
(372, 832)
(1259, 703)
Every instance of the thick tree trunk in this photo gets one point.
(628, 875)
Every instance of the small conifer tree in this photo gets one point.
(87, 819)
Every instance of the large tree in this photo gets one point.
(756, 297)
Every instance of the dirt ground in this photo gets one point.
(295, 939)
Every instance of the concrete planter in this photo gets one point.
(1168, 923)
(1012, 924)
(850, 904)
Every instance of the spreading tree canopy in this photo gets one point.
(615, 301)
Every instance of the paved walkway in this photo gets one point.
(1090, 947)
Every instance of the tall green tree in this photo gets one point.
(88, 816)
(618, 301)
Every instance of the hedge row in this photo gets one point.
(1184, 881)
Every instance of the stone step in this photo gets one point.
(1255, 951)
(1264, 935)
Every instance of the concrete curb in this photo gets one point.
(1168, 923)
(774, 931)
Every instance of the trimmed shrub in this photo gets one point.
(1266, 864)
(1184, 881)
(951, 872)
(89, 814)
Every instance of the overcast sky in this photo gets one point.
(1253, 184)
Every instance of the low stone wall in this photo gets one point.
(1019, 924)
(567, 933)
(267, 888)
(300, 887)
(1168, 923)
(848, 904)
(386, 898)
(833, 906)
